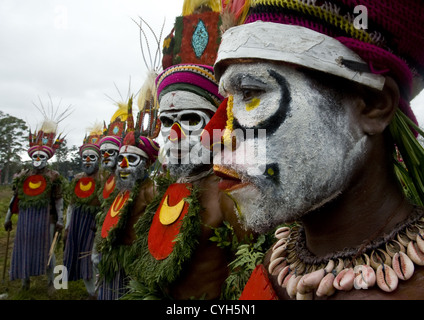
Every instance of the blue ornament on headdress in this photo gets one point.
(200, 39)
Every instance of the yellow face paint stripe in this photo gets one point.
(229, 125)
(235, 204)
(252, 105)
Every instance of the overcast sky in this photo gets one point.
(76, 51)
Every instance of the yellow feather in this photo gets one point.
(122, 112)
(49, 126)
(190, 6)
(96, 128)
(148, 90)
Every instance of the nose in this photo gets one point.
(124, 163)
(217, 131)
(106, 155)
(87, 159)
(177, 133)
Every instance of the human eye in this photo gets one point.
(251, 87)
(248, 93)
(191, 118)
(166, 121)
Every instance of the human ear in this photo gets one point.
(377, 108)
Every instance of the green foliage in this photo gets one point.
(13, 134)
(150, 273)
(13, 139)
(410, 172)
(249, 254)
(225, 237)
(138, 291)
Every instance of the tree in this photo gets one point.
(67, 160)
(13, 141)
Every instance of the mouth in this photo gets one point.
(124, 175)
(230, 180)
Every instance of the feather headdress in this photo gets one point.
(147, 118)
(92, 140)
(196, 6)
(45, 138)
(112, 133)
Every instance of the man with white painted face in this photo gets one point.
(110, 143)
(83, 206)
(178, 259)
(38, 201)
(334, 101)
(192, 206)
(135, 192)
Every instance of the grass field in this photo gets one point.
(11, 290)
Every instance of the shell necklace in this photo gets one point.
(383, 262)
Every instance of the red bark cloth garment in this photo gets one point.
(258, 287)
(161, 236)
(114, 213)
(85, 187)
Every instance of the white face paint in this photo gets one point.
(90, 161)
(39, 159)
(313, 144)
(131, 167)
(184, 115)
(109, 154)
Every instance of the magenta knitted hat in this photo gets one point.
(391, 42)
(198, 79)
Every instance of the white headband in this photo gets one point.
(293, 44)
(135, 150)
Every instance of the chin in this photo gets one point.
(260, 203)
(108, 165)
(252, 210)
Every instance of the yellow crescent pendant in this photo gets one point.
(118, 204)
(34, 185)
(168, 214)
(110, 184)
(86, 187)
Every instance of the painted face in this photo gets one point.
(90, 161)
(109, 154)
(39, 159)
(181, 130)
(312, 144)
(131, 167)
